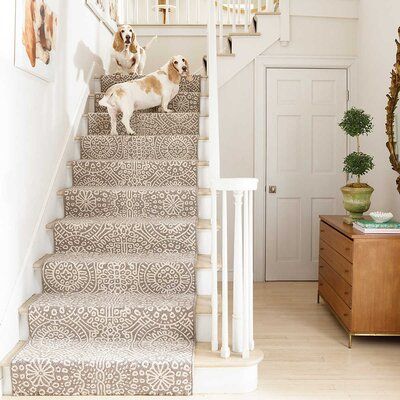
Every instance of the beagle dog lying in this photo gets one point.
(129, 56)
(155, 89)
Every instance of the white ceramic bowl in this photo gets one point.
(380, 217)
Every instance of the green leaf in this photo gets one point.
(356, 122)
(358, 164)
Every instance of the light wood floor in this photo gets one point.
(306, 354)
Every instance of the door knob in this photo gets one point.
(272, 189)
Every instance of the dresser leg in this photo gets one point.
(318, 297)
(350, 340)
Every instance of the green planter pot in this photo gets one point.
(357, 200)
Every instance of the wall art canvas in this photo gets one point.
(36, 28)
(106, 11)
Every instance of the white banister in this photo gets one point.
(136, 19)
(214, 265)
(147, 12)
(242, 314)
(167, 12)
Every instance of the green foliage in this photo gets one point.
(358, 164)
(356, 122)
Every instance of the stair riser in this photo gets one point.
(113, 277)
(171, 147)
(182, 102)
(129, 203)
(84, 127)
(110, 323)
(147, 124)
(125, 238)
(185, 86)
(134, 173)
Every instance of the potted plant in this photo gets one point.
(357, 195)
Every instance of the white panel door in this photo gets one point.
(305, 151)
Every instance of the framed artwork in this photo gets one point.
(106, 11)
(36, 29)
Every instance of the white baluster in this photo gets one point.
(259, 6)
(197, 11)
(270, 5)
(225, 351)
(251, 257)
(177, 12)
(237, 317)
(228, 12)
(245, 353)
(137, 11)
(157, 11)
(214, 266)
(221, 27)
(167, 12)
(284, 7)
(247, 15)
(188, 11)
(234, 16)
(126, 12)
(147, 12)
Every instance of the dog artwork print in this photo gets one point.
(36, 37)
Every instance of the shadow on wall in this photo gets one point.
(84, 57)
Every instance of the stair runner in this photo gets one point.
(116, 316)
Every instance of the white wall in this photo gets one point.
(309, 37)
(378, 26)
(36, 118)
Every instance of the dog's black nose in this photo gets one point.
(184, 68)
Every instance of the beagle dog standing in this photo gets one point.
(155, 89)
(129, 56)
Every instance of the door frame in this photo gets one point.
(261, 65)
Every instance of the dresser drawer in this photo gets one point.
(340, 308)
(336, 240)
(337, 262)
(338, 284)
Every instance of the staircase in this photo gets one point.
(130, 301)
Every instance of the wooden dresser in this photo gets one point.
(359, 278)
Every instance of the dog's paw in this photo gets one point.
(168, 111)
(114, 132)
(131, 132)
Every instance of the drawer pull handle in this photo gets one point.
(345, 315)
(322, 230)
(346, 293)
(347, 271)
(321, 284)
(347, 248)
(321, 248)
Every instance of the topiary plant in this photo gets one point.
(356, 123)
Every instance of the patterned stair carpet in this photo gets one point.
(117, 312)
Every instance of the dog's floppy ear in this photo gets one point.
(28, 35)
(118, 44)
(173, 74)
(189, 76)
(133, 46)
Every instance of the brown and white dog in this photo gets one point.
(155, 89)
(39, 34)
(129, 56)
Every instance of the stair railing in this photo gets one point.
(193, 12)
(242, 314)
